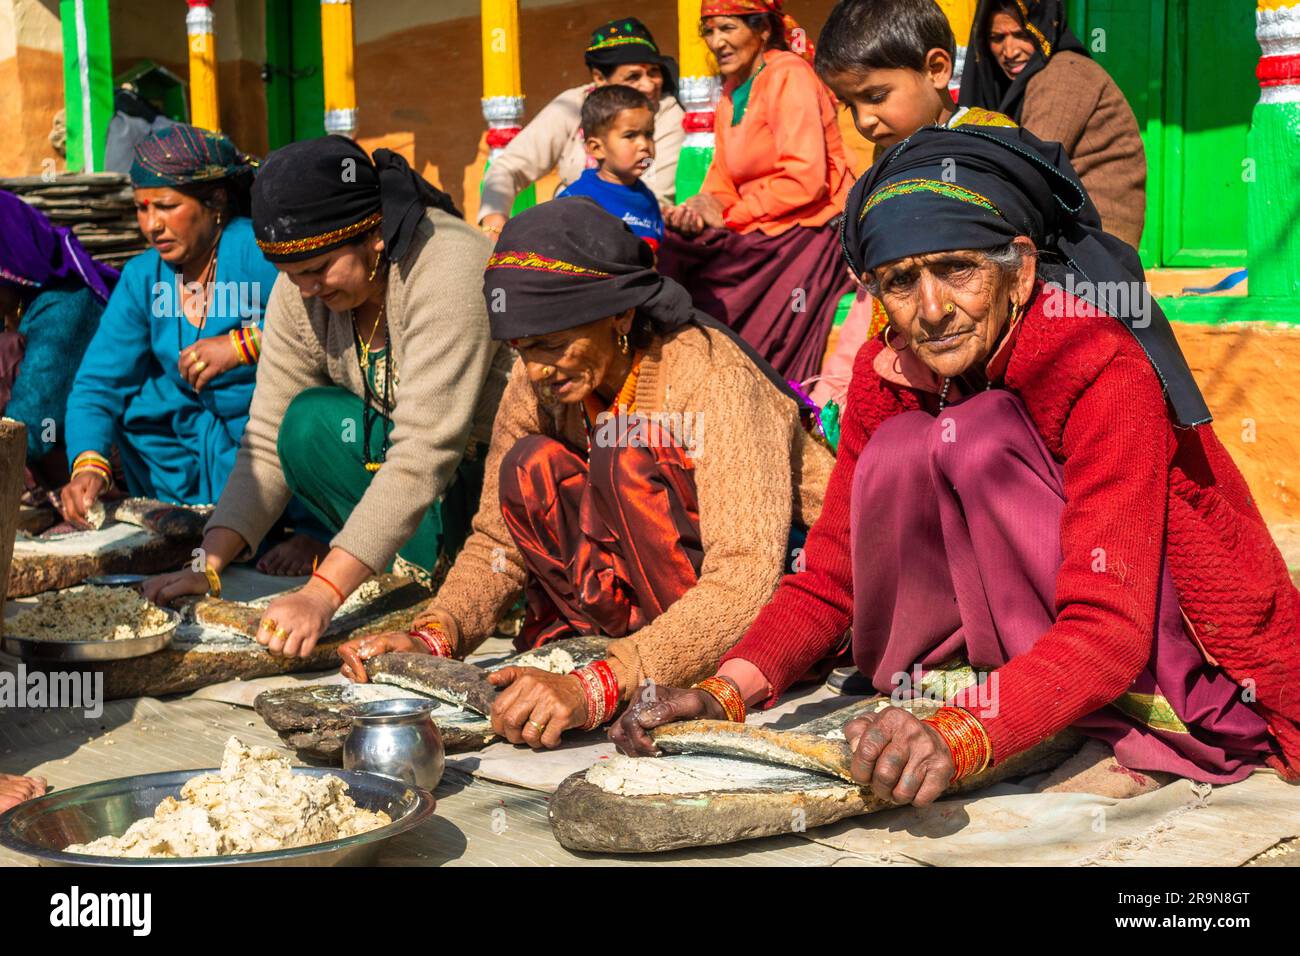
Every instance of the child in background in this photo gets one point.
(889, 62)
(619, 125)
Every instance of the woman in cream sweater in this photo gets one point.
(377, 384)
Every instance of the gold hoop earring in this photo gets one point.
(889, 331)
(623, 345)
(949, 308)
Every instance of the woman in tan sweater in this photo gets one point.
(646, 480)
(1026, 63)
(376, 388)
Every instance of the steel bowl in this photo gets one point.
(31, 649)
(42, 827)
(115, 580)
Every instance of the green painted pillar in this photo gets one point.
(87, 81)
(1273, 148)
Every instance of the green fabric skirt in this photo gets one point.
(331, 484)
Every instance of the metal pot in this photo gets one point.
(396, 739)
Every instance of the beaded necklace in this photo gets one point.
(368, 412)
(626, 397)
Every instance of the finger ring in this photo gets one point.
(280, 633)
(269, 625)
(200, 366)
(540, 727)
(193, 355)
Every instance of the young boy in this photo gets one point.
(619, 125)
(889, 62)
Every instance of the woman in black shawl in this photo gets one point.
(1025, 482)
(1024, 61)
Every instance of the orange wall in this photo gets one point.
(32, 85)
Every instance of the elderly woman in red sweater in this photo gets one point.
(1027, 481)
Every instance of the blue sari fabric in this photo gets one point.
(175, 444)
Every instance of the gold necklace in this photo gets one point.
(364, 359)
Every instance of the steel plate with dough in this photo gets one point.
(32, 650)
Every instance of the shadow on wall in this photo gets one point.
(419, 89)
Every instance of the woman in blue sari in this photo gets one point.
(169, 376)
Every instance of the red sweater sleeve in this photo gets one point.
(812, 609)
(1117, 446)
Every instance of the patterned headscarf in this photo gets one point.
(181, 155)
(979, 187)
(796, 38)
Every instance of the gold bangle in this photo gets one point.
(726, 694)
(214, 581)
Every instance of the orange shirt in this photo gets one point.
(784, 164)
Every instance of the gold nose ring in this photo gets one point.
(949, 309)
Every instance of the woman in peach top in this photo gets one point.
(757, 247)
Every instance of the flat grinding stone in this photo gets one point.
(315, 720)
(731, 782)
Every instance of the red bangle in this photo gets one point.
(600, 687)
(433, 638)
(332, 586)
(725, 693)
(966, 739)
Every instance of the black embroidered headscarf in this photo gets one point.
(568, 262)
(318, 194)
(628, 40)
(983, 82)
(979, 187)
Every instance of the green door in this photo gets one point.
(295, 85)
(1187, 68)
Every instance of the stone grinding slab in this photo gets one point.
(723, 782)
(215, 643)
(315, 719)
(140, 536)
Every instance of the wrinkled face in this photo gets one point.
(733, 44)
(627, 147)
(951, 308)
(646, 77)
(565, 367)
(180, 227)
(339, 278)
(1010, 43)
(890, 105)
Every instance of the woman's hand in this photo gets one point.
(14, 790)
(665, 706)
(294, 622)
(78, 495)
(207, 358)
(536, 705)
(901, 758)
(492, 225)
(684, 220)
(166, 588)
(708, 209)
(358, 650)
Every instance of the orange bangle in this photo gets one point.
(726, 694)
(332, 586)
(966, 739)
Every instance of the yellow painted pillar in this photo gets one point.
(698, 91)
(961, 15)
(503, 86)
(204, 107)
(337, 67)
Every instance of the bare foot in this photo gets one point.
(1094, 769)
(14, 790)
(294, 557)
